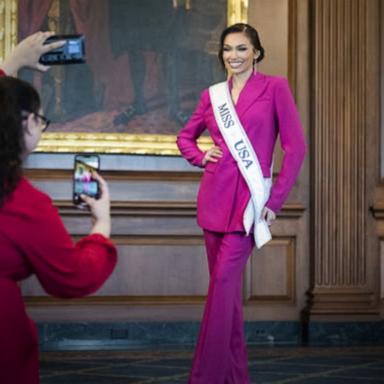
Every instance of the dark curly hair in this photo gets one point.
(16, 98)
(249, 31)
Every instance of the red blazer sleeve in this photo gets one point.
(2, 73)
(187, 137)
(65, 269)
(292, 142)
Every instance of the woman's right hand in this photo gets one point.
(100, 208)
(213, 155)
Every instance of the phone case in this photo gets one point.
(73, 52)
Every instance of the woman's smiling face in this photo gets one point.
(238, 53)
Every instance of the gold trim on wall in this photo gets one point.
(113, 143)
(101, 142)
(8, 26)
(237, 11)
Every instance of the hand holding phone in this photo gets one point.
(28, 52)
(72, 52)
(84, 181)
(91, 190)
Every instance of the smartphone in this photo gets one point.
(72, 52)
(83, 181)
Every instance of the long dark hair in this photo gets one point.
(16, 97)
(249, 31)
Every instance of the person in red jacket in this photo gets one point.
(33, 239)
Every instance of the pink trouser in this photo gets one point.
(221, 353)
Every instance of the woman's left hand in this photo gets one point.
(268, 215)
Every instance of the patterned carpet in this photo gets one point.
(358, 365)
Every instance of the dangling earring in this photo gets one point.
(254, 66)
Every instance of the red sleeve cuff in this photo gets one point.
(98, 238)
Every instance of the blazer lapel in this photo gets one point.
(252, 90)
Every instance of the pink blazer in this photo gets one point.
(266, 108)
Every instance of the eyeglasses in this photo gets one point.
(44, 121)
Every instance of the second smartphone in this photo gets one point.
(83, 181)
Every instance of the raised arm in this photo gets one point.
(63, 267)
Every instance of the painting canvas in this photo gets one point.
(147, 62)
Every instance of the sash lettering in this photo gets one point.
(242, 151)
(226, 117)
(244, 154)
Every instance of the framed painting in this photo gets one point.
(147, 63)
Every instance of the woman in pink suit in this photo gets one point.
(33, 239)
(266, 109)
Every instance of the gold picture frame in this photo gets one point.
(114, 143)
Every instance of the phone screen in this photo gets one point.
(72, 52)
(83, 181)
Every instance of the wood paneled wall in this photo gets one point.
(162, 271)
(344, 111)
(377, 163)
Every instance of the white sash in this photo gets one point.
(242, 151)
